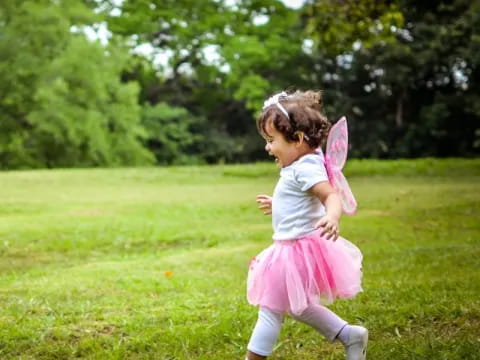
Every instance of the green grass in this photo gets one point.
(151, 263)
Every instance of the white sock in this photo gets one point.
(344, 335)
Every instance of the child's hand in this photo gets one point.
(265, 202)
(330, 227)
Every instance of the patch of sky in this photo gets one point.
(370, 87)
(460, 73)
(96, 32)
(357, 45)
(307, 46)
(405, 34)
(260, 19)
(345, 61)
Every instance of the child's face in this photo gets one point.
(284, 152)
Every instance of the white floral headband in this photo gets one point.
(275, 100)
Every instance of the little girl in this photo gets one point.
(308, 261)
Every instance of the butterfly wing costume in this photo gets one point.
(335, 157)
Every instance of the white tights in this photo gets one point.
(269, 323)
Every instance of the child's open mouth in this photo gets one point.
(276, 158)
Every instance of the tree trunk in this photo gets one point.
(399, 114)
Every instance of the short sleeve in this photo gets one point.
(309, 173)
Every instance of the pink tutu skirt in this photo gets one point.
(290, 275)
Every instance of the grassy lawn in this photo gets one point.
(151, 263)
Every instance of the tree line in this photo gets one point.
(404, 72)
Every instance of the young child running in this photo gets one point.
(308, 262)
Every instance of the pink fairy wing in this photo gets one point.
(337, 144)
(335, 157)
(340, 183)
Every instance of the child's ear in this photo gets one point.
(300, 136)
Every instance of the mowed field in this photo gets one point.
(151, 263)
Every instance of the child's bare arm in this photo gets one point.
(265, 202)
(330, 199)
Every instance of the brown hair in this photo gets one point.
(305, 115)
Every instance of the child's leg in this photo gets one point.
(264, 334)
(330, 325)
(325, 321)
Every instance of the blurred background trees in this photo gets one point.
(111, 82)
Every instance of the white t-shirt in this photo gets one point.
(295, 210)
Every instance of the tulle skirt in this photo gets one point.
(290, 275)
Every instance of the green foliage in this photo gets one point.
(144, 263)
(404, 73)
(64, 103)
(337, 25)
(170, 133)
(34, 29)
(87, 120)
(380, 63)
(250, 62)
(414, 96)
